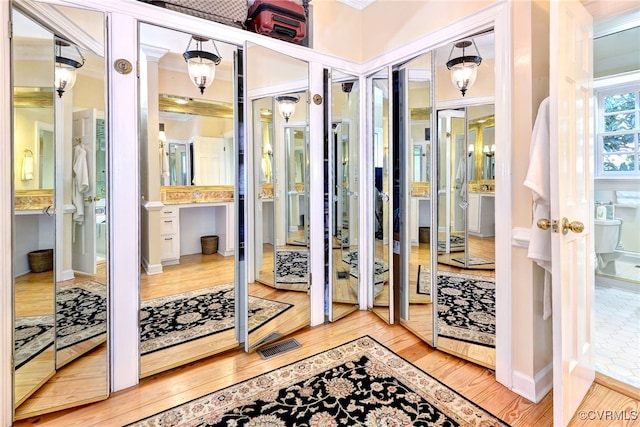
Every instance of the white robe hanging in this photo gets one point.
(80, 182)
(537, 180)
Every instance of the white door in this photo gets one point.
(84, 232)
(571, 118)
(210, 164)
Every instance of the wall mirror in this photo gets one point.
(465, 267)
(280, 141)
(415, 83)
(194, 159)
(381, 289)
(188, 221)
(343, 184)
(60, 202)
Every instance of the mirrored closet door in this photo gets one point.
(447, 289)
(60, 225)
(380, 289)
(465, 161)
(343, 193)
(278, 298)
(188, 282)
(416, 91)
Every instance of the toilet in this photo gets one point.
(607, 243)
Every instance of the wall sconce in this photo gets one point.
(489, 151)
(464, 69)
(471, 149)
(287, 105)
(201, 64)
(65, 68)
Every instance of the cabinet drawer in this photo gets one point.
(168, 225)
(169, 212)
(170, 248)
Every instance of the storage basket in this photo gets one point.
(41, 260)
(209, 244)
(424, 235)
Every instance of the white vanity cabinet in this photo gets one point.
(182, 226)
(481, 214)
(170, 235)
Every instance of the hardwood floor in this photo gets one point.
(167, 389)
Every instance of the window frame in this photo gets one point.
(601, 93)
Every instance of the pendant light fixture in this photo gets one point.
(200, 63)
(287, 105)
(65, 67)
(464, 69)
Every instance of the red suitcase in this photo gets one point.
(280, 19)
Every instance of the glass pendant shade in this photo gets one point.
(464, 69)
(65, 68)
(201, 64)
(287, 105)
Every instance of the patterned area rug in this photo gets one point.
(81, 312)
(32, 335)
(360, 383)
(456, 244)
(292, 266)
(467, 308)
(424, 280)
(473, 260)
(180, 318)
(381, 268)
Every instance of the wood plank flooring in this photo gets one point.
(167, 389)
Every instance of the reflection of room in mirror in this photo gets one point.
(55, 215)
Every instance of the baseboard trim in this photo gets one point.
(534, 388)
(67, 275)
(151, 269)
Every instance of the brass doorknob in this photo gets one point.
(544, 224)
(575, 226)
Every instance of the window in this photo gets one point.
(618, 132)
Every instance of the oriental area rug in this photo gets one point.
(176, 319)
(467, 308)
(292, 269)
(81, 314)
(360, 383)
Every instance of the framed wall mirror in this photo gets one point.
(343, 186)
(278, 298)
(188, 220)
(61, 205)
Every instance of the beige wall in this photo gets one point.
(384, 25)
(337, 29)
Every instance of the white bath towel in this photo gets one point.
(27, 167)
(537, 180)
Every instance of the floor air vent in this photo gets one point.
(278, 348)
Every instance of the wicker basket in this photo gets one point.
(424, 235)
(209, 244)
(41, 260)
